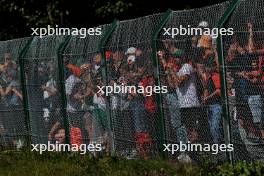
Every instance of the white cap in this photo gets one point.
(203, 24)
(131, 50)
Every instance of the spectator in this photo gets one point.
(188, 99)
(212, 99)
(244, 62)
(71, 81)
(171, 67)
(50, 96)
(57, 131)
(9, 63)
(13, 97)
(97, 65)
(204, 41)
(13, 89)
(102, 123)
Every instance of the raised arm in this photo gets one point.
(250, 46)
(2, 93)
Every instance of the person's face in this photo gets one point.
(41, 71)
(130, 58)
(161, 54)
(194, 41)
(200, 68)
(8, 60)
(60, 136)
(138, 52)
(166, 44)
(9, 78)
(97, 60)
(115, 56)
(151, 81)
(254, 66)
(124, 82)
(230, 83)
(121, 71)
(208, 69)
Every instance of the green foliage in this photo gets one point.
(113, 8)
(18, 16)
(242, 168)
(64, 164)
(39, 15)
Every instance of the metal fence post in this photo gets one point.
(156, 64)
(105, 74)
(221, 60)
(24, 89)
(60, 51)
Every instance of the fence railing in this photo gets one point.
(49, 86)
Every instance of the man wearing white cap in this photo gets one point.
(204, 41)
(131, 55)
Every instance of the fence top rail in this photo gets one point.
(203, 8)
(14, 40)
(139, 18)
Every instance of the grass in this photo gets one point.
(14, 163)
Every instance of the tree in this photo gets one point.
(18, 16)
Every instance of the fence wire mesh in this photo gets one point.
(44, 98)
(12, 119)
(189, 68)
(129, 122)
(87, 108)
(244, 62)
(134, 115)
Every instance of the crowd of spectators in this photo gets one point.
(193, 104)
(192, 72)
(11, 122)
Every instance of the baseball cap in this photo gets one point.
(203, 24)
(131, 50)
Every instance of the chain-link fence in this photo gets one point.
(134, 115)
(63, 80)
(193, 115)
(243, 54)
(86, 108)
(43, 95)
(12, 119)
